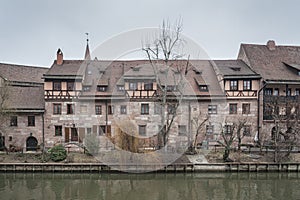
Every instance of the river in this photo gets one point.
(171, 186)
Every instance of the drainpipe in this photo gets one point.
(43, 135)
(190, 131)
(258, 112)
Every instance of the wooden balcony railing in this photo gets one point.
(281, 99)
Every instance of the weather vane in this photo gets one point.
(87, 37)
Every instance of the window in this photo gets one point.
(101, 88)
(212, 109)
(70, 109)
(289, 92)
(98, 109)
(247, 85)
(297, 92)
(88, 131)
(171, 108)
(233, 85)
(142, 130)
(276, 92)
(157, 109)
(144, 109)
(268, 91)
(246, 131)
(31, 120)
(148, 86)
(181, 129)
(120, 88)
(57, 86)
(83, 108)
(102, 129)
(13, 121)
(86, 88)
(70, 86)
(58, 131)
(203, 88)
(56, 108)
(110, 109)
(228, 129)
(123, 109)
(209, 129)
(233, 108)
(132, 86)
(171, 88)
(246, 108)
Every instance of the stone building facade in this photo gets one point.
(74, 99)
(279, 87)
(22, 106)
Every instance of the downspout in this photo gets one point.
(190, 127)
(43, 135)
(258, 113)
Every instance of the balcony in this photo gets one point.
(281, 99)
(62, 94)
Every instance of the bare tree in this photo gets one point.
(198, 124)
(4, 112)
(162, 54)
(285, 134)
(232, 135)
(126, 136)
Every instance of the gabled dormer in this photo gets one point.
(295, 68)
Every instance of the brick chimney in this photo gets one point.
(271, 45)
(59, 57)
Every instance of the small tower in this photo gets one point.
(87, 55)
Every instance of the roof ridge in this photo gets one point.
(19, 65)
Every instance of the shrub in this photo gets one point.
(58, 153)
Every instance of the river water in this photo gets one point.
(151, 186)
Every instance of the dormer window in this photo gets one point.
(120, 88)
(86, 88)
(101, 88)
(203, 88)
(236, 69)
(171, 88)
(136, 68)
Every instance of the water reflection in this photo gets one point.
(150, 186)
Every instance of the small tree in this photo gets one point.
(92, 144)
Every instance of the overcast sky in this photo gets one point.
(31, 31)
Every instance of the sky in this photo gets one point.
(31, 31)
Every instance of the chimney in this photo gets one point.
(271, 45)
(59, 57)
